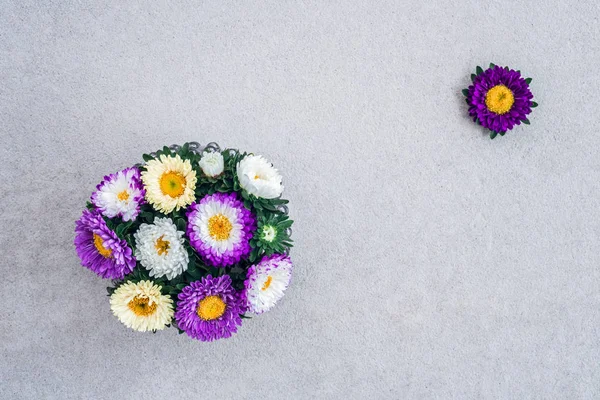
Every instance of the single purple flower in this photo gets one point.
(99, 248)
(499, 99)
(209, 309)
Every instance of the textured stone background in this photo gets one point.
(430, 261)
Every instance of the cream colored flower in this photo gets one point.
(141, 307)
(169, 182)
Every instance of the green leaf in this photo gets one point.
(526, 121)
(278, 201)
(479, 70)
(181, 225)
(195, 274)
(502, 133)
(465, 92)
(147, 157)
(285, 224)
(528, 80)
(493, 134)
(120, 229)
(148, 216)
(269, 207)
(492, 65)
(473, 76)
(534, 104)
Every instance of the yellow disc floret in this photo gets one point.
(219, 227)
(99, 244)
(141, 306)
(172, 184)
(162, 246)
(267, 283)
(123, 196)
(210, 308)
(499, 99)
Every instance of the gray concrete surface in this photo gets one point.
(430, 261)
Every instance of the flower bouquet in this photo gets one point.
(193, 238)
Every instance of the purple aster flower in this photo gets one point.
(100, 249)
(499, 99)
(209, 309)
(120, 194)
(266, 282)
(220, 229)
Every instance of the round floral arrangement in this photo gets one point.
(195, 238)
(499, 99)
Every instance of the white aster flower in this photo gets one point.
(141, 307)
(258, 177)
(212, 163)
(266, 282)
(170, 182)
(159, 248)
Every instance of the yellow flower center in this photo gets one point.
(499, 99)
(256, 177)
(99, 243)
(172, 183)
(124, 195)
(210, 308)
(219, 227)
(140, 306)
(162, 246)
(267, 283)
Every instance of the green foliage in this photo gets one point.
(271, 236)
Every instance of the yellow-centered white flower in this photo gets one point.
(266, 282)
(258, 177)
(170, 182)
(159, 248)
(141, 307)
(212, 163)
